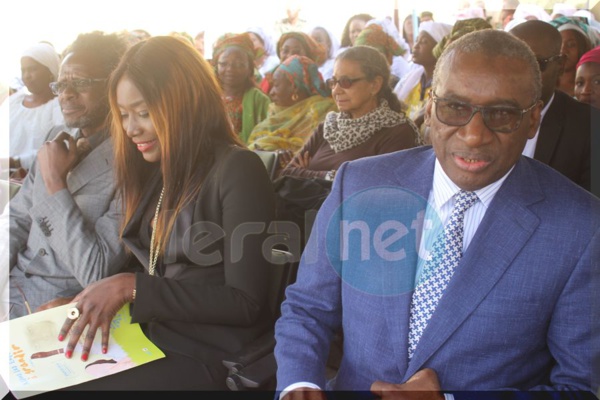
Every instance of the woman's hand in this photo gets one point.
(97, 304)
(301, 161)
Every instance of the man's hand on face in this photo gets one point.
(56, 158)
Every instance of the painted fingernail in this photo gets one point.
(84, 357)
(61, 338)
(69, 353)
(104, 350)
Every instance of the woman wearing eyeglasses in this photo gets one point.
(369, 121)
(234, 58)
(197, 206)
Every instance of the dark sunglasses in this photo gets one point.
(543, 62)
(344, 82)
(501, 119)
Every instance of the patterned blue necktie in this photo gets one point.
(445, 255)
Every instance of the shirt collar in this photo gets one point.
(95, 139)
(444, 189)
(545, 109)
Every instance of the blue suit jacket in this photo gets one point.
(517, 314)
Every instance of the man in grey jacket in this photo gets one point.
(64, 221)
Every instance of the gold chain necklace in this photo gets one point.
(155, 250)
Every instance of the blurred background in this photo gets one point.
(59, 21)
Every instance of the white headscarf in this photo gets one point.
(590, 17)
(389, 27)
(531, 10)
(564, 9)
(471, 12)
(437, 30)
(45, 54)
(512, 23)
(266, 38)
(335, 42)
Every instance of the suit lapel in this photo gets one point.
(550, 129)
(131, 236)
(96, 163)
(151, 188)
(506, 227)
(416, 177)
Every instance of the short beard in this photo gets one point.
(95, 118)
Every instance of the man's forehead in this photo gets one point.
(81, 63)
(484, 65)
(482, 76)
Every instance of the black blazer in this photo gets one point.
(209, 295)
(564, 140)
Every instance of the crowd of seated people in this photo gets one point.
(153, 140)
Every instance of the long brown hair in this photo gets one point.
(185, 107)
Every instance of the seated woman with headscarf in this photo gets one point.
(577, 39)
(299, 102)
(400, 64)
(413, 89)
(34, 109)
(375, 36)
(587, 80)
(331, 43)
(297, 43)
(233, 60)
(266, 58)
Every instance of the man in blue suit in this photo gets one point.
(516, 313)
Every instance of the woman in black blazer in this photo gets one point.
(197, 206)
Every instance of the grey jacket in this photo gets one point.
(61, 243)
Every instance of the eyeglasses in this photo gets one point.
(344, 82)
(543, 62)
(501, 119)
(232, 65)
(78, 85)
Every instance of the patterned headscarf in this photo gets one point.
(304, 74)
(374, 36)
(314, 50)
(228, 40)
(460, 28)
(574, 23)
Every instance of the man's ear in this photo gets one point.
(427, 116)
(536, 119)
